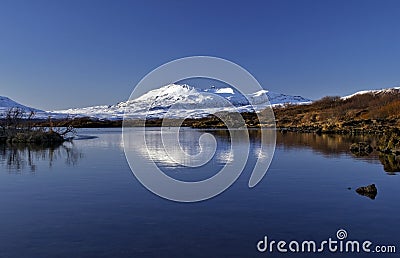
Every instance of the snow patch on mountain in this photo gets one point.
(225, 91)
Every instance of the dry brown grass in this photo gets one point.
(361, 111)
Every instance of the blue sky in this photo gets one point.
(59, 54)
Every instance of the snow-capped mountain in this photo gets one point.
(7, 103)
(185, 101)
(180, 101)
(394, 90)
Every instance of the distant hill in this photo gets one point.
(7, 103)
(393, 90)
(365, 110)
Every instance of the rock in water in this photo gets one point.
(361, 149)
(370, 191)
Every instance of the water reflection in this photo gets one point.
(326, 145)
(159, 149)
(174, 155)
(391, 163)
(337, 145)
(18, 157)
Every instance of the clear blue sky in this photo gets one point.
(59, 54)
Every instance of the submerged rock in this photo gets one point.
(370, 191)
(361, 149)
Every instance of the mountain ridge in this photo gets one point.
(184, 100)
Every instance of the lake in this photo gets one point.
(82, 200)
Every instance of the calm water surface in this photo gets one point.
(82, 200)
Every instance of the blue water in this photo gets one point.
(82, 200)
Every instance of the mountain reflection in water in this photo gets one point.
(18, 157)
(327, 145)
